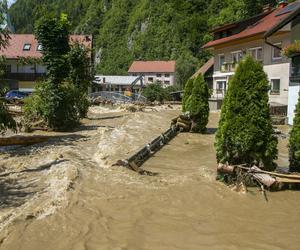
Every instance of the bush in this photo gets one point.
(169, 90)
(294, 142)
(56, 105)
(197, 104)
(154, 92)
(187, 93)
(6, 120)
(245, 133)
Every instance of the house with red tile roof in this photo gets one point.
(292, 19)
(233, 41)
(23, 67)
(155, 71)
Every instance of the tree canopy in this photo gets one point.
(127, 30)
(245, 134)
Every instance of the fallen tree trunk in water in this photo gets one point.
(23, 140)
(272, 180)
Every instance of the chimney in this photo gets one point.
(282, 4)
(267, 8)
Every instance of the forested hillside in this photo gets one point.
(125, 30)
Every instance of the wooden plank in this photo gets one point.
(23, 140)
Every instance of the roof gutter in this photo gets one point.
(271, 44)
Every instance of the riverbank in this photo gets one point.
(84, 203)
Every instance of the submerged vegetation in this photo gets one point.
(245, 133)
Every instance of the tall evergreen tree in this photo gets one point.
(245, 133)
(294, 142)
(188, 88)
(197, 104)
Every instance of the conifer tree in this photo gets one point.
(187, 92)
(245, 133)
(294, 142)
(197, 104)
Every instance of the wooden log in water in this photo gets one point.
(226, 169)
(187, 122)
(183, 126)
(23, 140)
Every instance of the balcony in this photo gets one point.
(295, 69)
(228, 67)
(26, 77)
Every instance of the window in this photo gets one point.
(167, 75)
(40, 47)
(158, 75)
(150, 79)
(275, 87)
(236, 56)
(221, 60)
(27, 46)
(7, 69)
(167, 82)
(256, 53)
(276, 52)
(221, 87)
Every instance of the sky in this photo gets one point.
(10, 2)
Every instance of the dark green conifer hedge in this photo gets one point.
(188, 88)
(197, 104)
(245, 133)
(294, 142)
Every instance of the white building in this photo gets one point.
(292, 19)
(117, 83)
(155, 71)
(233, 41)
(23, 55)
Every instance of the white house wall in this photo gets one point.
(293, 100)
(274, 68)
(162, 79)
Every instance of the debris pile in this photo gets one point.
(244, 175)
(183, 122)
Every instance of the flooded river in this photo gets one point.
(80, 202)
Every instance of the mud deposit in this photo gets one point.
(64, 194)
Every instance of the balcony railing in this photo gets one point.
(228, 67)
(30, 77)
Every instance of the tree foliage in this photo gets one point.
(6, 120)
(53, 34)
(294, 142)
(61, 100)
(154, 92)
(245, 133)
(188, 88)
(197, 104)
(127, 30)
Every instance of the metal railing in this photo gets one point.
(118, 97)
(24, 76)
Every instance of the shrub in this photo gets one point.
(245, 133)
(294, 142)
(187, 93)
(169, 90)
(6, 120)
(154, 92)
(197, 104)
(56, 105)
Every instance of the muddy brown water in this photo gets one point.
(84, 203)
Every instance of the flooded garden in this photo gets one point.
(65, 194)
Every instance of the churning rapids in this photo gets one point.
(81, 202)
